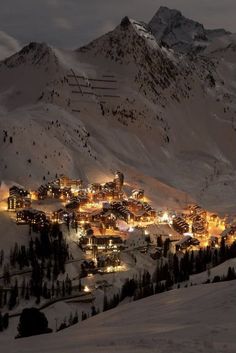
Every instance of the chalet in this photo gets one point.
(149, 209)
(229, 232)
(42, 192)
(121, 211)
(30, 216)
(50, 190)
(186, 242)
(197, 210)
(138, 194)
(66, 194)
(82, 216)
(17, 203)
(18, 199)
(65, 182)
(19, 192)
(142, 216)
(199, 225)
(98, 196)
(101, 242)
(134, 205)
(73, 205)
(95, 188)
(60, 216)
(96, 215)
(109, 186)
(180, 225)
(53, 191)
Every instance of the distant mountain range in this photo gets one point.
(156, 101)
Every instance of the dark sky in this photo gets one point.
(71, 23)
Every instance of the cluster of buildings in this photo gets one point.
(20, 201)
(62, 188)
(101, 207)
(197, 221)
(105, 203)
(96, 203)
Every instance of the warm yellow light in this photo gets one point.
(86, 289)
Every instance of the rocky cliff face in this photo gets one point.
(174, 30)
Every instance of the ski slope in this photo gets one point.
(196, 319)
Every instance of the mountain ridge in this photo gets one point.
(135, 106)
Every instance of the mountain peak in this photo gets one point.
(125, 22)
(34, 53)
(166, 10)
(127, 42)
(174, 30)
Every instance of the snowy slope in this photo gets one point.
(220, 270)
(122, 102)
(196, 319)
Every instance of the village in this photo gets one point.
(86, 244)
(108, 219)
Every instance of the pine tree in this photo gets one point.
(176, 268)
(23, 288)
(166, 247)
(70, 321)
(84, 316)
(5, 321)
(222, 249)
(13, 297)
(27, 297)
(1, 257)
(93, 311)
(1, 322)
(76, 318)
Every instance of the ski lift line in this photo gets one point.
(74, 75)
(84, 86)
(83, 93)
(100, 80)
(76, 85)
(111, 88)
(83, 101)
(91, 79)
(110, 96)
(93, 87)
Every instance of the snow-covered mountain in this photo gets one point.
(123, 102)
(174, 30)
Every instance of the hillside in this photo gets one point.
(123, 102)
(194, 319)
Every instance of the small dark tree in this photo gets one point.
(76, 318)
(166, 247)
(5, 321)
(32, 322)
(1, 322)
